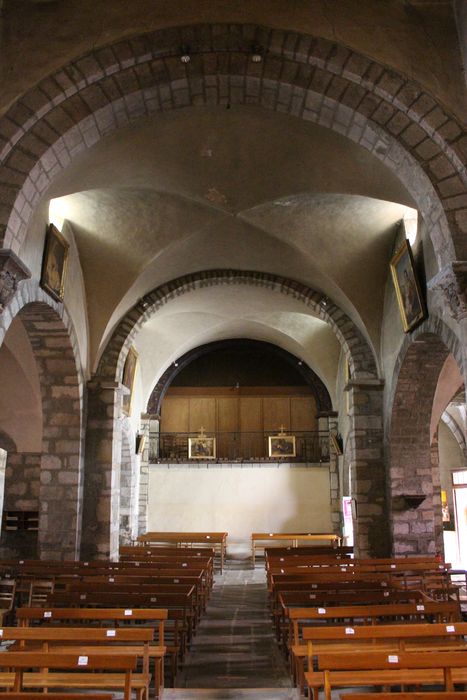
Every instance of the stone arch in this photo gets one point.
(317, 80)
(456, 431)
(104, 416)
(60, 462)
(323, 400)
(360, 356)
(413, 463)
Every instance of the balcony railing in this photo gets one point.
(312, 447)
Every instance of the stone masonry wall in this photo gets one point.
(22, 486)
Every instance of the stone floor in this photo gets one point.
(235, 646)
(234, 655)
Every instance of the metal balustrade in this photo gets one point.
(310, 447)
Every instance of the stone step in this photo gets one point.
(230, 694)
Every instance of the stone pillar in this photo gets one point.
(368, 479)
(102, 471)
(145, 427)
(328, 422)
(61, 460)
(3, 455)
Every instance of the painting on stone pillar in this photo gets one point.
(128, 379)
(411, 305)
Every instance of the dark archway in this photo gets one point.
(308, 376)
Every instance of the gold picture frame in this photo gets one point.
(202, 447)
(282, 446)
(54, 263)
(411, 305)
(128, 379)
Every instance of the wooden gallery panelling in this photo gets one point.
(185, 410)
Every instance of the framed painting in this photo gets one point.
(336, 444)
(409, 298)
(282, 446)
(128, 379)
(54, 263)
(202, 447)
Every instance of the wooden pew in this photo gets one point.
(394, 638)
(354, 615)
(83, 640)
(31, 695)
(373, 668)
(7, 599)
(313, 550)
(440, 695)
(259, 539)
(179, 608)
(89, 671)
(217, 540)
(302, 599)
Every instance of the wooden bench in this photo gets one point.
(157, 617)
(217, 540)
(288, 600)
(7, 599)
(259, 539)
(380, 669)
(87, 671)
(301, 618)
(440, 695)
(390, 637)
(31, 695)
(81, 640)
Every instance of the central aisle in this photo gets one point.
(235, 647)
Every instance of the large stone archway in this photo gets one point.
(318, 80)
(416, 524)
(105, 396)
(60, 473)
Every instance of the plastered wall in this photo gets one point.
(239, 499)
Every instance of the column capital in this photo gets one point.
(451, 281)
(12, 272)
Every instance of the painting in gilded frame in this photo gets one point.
(411, 306)
(54, 263)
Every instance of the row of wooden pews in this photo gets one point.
(216, 541)
(345, 622)
(140, 611)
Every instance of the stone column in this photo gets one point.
(328, 422)
(3, 455)
(102, 471)
(368, 480)
(145, 426)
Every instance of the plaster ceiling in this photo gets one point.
(243, 188)
(200, 317)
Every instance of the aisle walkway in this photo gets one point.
(234, 653)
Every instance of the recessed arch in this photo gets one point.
(319, 81)
(323, 400)
(359, 354)
(60, 460)
(413, 463)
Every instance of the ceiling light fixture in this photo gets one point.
(185, 57)
(256, 54)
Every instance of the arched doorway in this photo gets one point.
(43, 486)
(414, 476)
